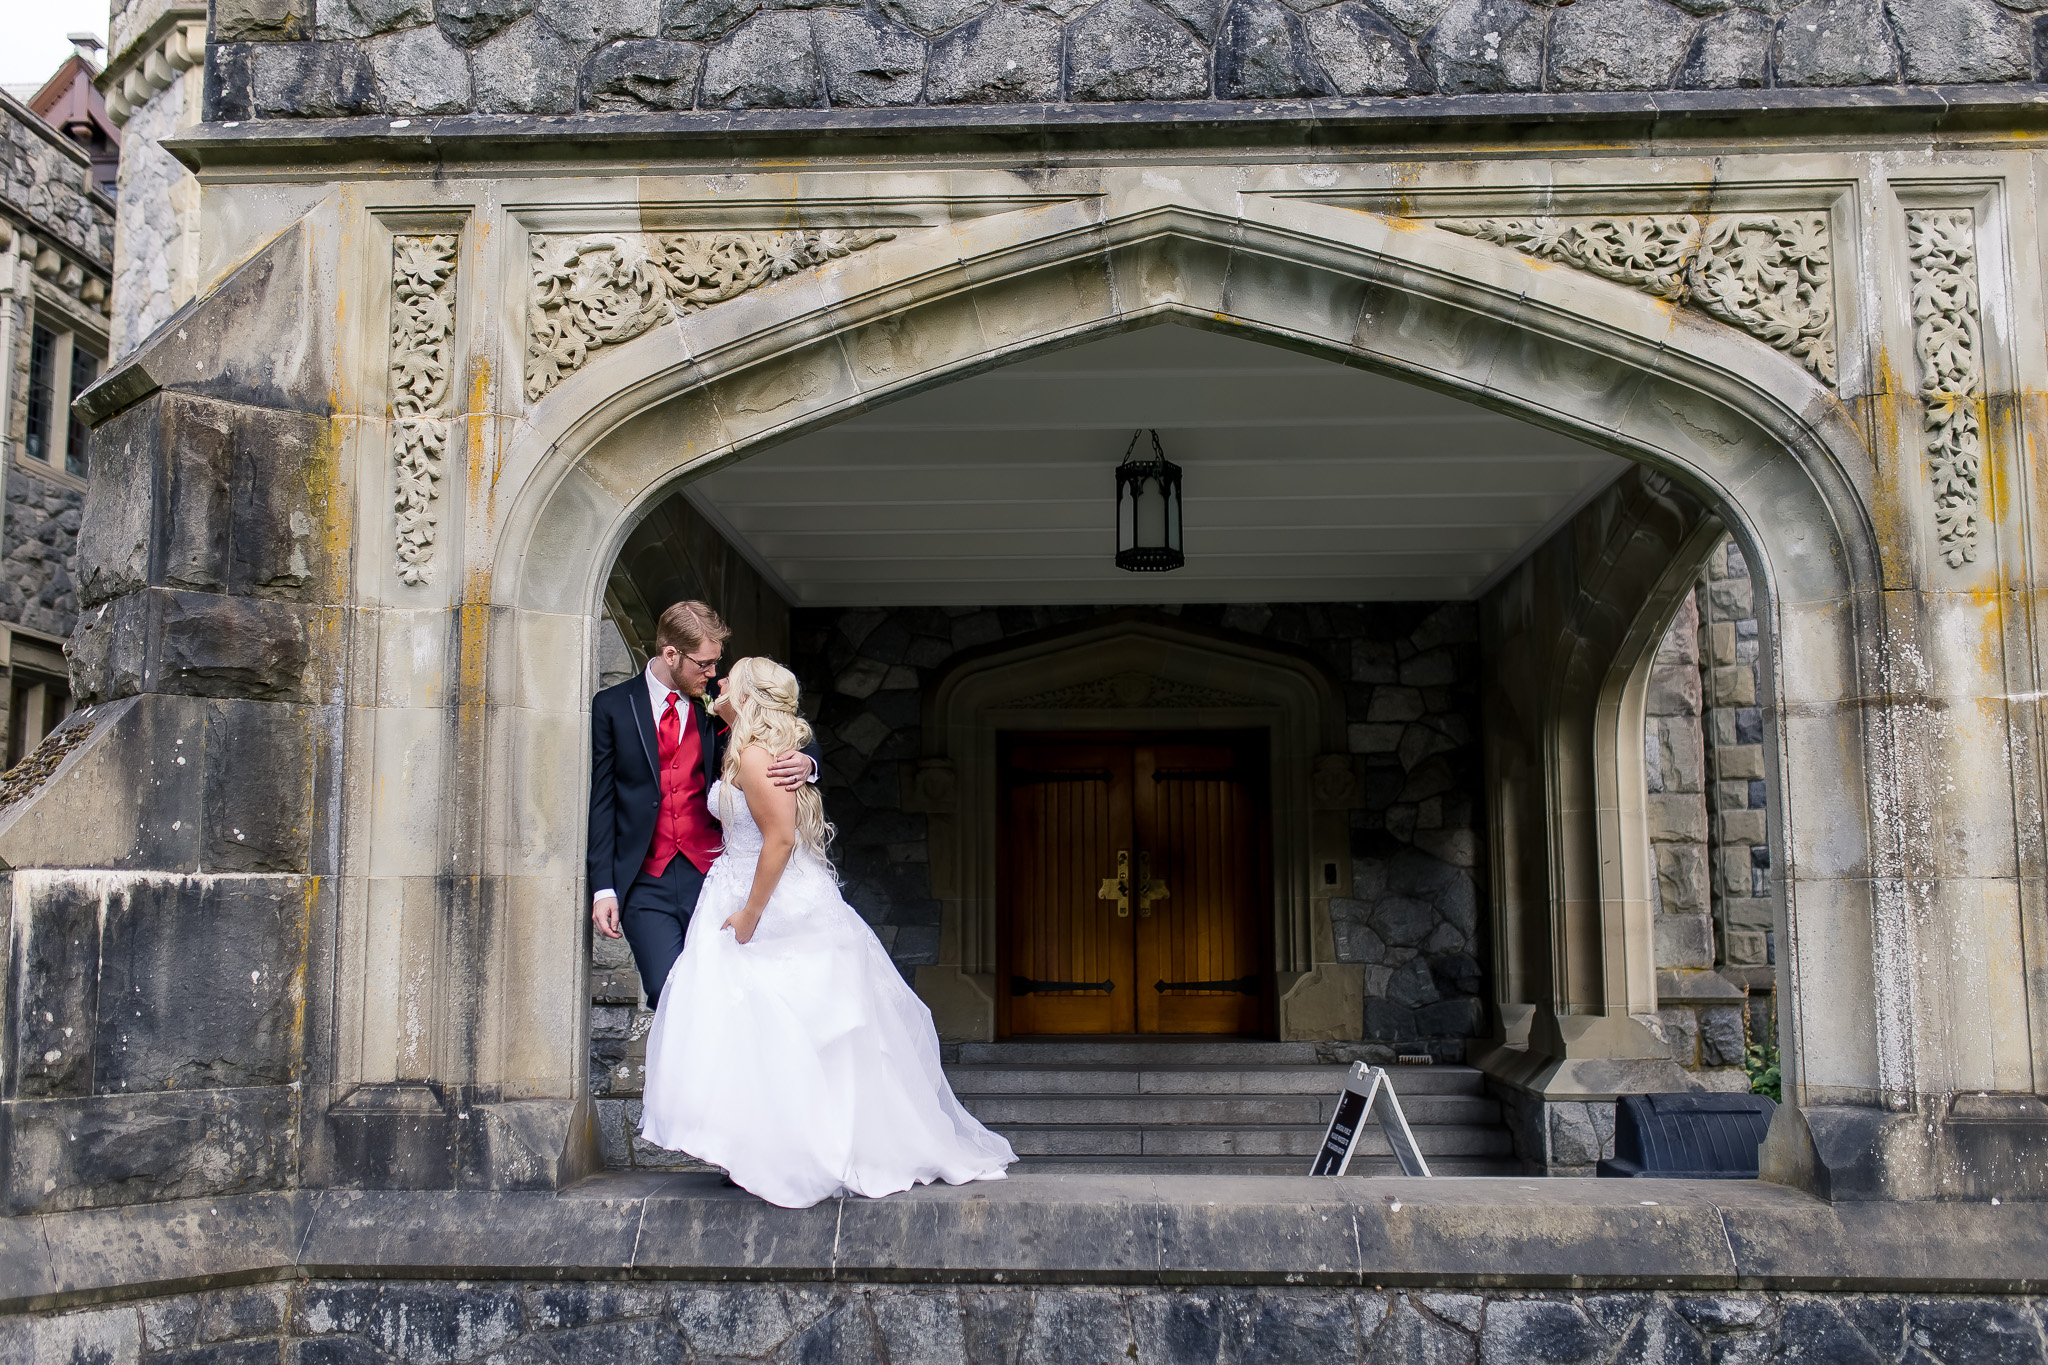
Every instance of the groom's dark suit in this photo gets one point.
(625, 802)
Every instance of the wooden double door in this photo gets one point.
(1135, 893)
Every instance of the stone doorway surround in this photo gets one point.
(1140, 672)
(404, 630)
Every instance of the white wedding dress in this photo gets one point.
(800, 1061)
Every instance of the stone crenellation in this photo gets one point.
(285, 59)
(575, 1321)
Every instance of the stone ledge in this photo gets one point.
(1043, 128)
(1050, 1229)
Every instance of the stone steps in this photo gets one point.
(1209, 1106)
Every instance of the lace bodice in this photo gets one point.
(729, 808)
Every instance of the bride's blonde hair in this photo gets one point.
(764, 696)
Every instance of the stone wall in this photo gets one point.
(39, 551)
(577, 1322)
(48, 180)
(1410, 675)
(282, 59)
(156, 232)
(1738, 793)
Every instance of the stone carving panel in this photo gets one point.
(422, 342)
(1948, 340)
(605, 288)
(1768, 274)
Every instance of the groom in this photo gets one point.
(654, 754)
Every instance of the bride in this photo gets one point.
(786, 1047)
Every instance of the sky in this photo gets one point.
(35, 44)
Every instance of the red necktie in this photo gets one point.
(670, 730)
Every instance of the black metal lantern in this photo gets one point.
(1148, 511)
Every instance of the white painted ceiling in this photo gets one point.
(1304, 481)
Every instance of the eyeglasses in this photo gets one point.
(702, 665)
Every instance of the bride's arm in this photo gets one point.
(774, 810)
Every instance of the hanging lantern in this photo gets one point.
(1148, 511)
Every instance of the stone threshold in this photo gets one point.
(1501, 1232)
(1524, 120)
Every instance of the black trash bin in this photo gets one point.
(1688, 1137)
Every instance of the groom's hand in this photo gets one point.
(605, 915)
(790, 772)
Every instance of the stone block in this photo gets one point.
(1681, 754)
(1835, 43)
(1388, 1022)
(1731, 599)
(1743, 947)
(257, 809)
(1449, 1019)
(433, 1324)
(311, 80)
(273, 21)
(1740, 827)
(218, 646)
(1733, 685)
(1486, 47)
(1722, 1039)
(640, 74)
(1730, 795)
(1394, 704)
(1741, 911)
(769, 62)
(1581, 1134)
(420, 71)
(1731, 872)
(53, 992)
(1674, 689)
(1718, 645)
(1263, 53)
(1374, 661)
(527, 68)
(104, 1336)
(1618, 45)
(114, 537)
(1682, 1031)
(1676, 818)
(1374, 739)
(466, 23)
(1007, 56)
(933, 17)
(1541, 1329)
(368, 18)
(1682, 882)
(224, 347)
(1739, 761)
(1684, 941)
(1127, 50)
(201, 984)
(1961, 41)
(109, 649)
(868, 63)
(111, 1150)
(590, 23)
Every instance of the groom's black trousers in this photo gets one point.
(655, 916)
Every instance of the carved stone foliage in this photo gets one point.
(605, 288)
(1130, 692)
(1767, 273)
(422, 338)
(1948, 340)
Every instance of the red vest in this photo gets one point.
(685, 825)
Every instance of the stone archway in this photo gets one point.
(1140, 673)
(1749, 426)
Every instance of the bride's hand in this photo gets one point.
(743, 923)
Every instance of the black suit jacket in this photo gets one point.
(625, 782)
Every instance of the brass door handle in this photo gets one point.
(1150, 888)
(1118, 888)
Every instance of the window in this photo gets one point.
(85, 367)
(42, 390)
(39, 703)
(60, 367)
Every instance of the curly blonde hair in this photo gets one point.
(764, 695)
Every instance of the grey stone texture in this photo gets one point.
(509, 56)
(38, 555)
(1127, 50)
(1410, 674)
(578, 1322)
